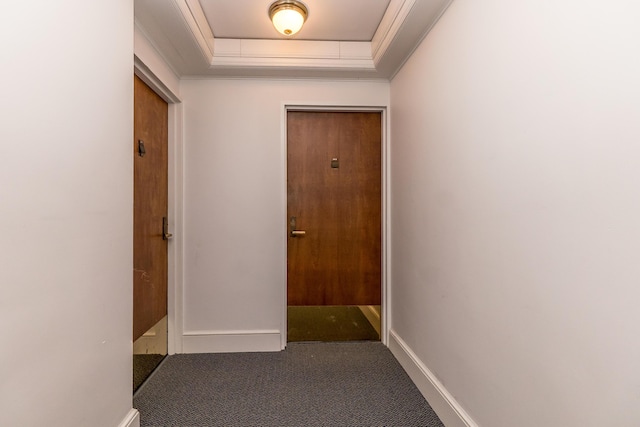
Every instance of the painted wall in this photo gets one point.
(66, 217)
(235, 204)
(515, 210)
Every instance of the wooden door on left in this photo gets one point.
(150, 205)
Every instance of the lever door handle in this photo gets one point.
(292, 228)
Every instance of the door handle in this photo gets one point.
(165, 229)
(292, 228)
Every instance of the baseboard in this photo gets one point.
(230, 341)
(372, 315)
(442, 402)
(131, 420)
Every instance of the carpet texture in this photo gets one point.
(328, 323)
(308, 384)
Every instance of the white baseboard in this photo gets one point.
(131, 420)
(230, 341)
(442, 402)
(372, 315)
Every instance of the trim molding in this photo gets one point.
(141, 70)
(373, 316)
(389, 27)
(176, 250)
(292, 53)
(230, 341)
(294, 63)
(196, 21)
(132, 419)
(382, 109)
(448, 409)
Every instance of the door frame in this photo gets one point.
(175, 203)
(385, 208)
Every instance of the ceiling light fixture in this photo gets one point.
(288, 16)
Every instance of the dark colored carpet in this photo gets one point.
(328, 323)
(143, 365)
(307, 385)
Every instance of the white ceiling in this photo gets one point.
(348, 20)
(341, 38)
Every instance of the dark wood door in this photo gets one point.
(150, 148)
(334, 192)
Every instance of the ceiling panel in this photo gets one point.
(346, 20)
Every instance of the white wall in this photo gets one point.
(516, 210)
(235, 204)
(66, 213)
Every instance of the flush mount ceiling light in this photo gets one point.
(288, 16)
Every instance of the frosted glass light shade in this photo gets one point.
(288, 16)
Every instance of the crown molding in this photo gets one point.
(391, 23)
(196, 21)
(293, 54)
(190, 43)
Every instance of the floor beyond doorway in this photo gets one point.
(148, 352)
(329, 323)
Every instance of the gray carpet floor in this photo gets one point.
(308, 384)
